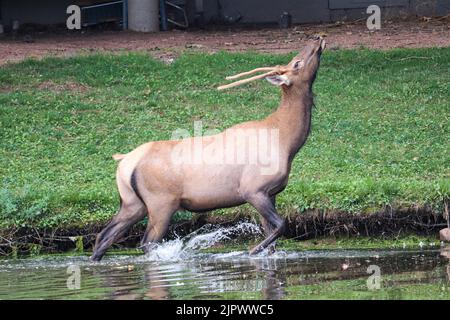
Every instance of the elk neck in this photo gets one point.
(293, 117)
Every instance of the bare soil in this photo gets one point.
(412, 33)
(65, 87)
(47, 86)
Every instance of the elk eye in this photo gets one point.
(298, 64)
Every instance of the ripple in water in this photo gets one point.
(186, 248)
(178, 269)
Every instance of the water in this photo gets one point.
(179, 270)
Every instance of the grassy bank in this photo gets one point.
(379, 137)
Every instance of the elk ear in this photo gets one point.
(279, 80)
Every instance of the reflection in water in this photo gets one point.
(445, 252)
(210, 277)
(177, 270)
(275, 278)
(156, 286)
(297, 275)
(448, 272)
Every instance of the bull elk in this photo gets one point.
(152, 181)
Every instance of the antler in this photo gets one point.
(238, 83)
(271, 71)
(249, 72)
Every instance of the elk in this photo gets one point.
(152, 181)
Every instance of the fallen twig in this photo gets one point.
(408, 58)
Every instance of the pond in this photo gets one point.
(180, 269)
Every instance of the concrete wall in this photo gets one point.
(304, 11)
(34, 11)
(257, 11)
(248, 11)
(342, 10)
(355, 9)
(430, 7)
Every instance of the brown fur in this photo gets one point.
(161, 187)
(118, 156)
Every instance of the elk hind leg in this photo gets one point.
(160, 212)
(128, 215)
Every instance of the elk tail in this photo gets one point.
(119, 156)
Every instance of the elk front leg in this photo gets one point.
(275, 225)
(269, 229)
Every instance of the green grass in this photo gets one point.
(356, 289)
(380, 134)
(403, 242)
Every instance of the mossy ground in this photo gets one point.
(410, 242)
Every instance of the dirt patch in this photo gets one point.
(6, 89)
(413, 33)
(48, 86)
(62, 87)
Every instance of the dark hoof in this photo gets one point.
(95, 257)
(272, 249)
(255, 250)
(148, 247)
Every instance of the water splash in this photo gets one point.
(205, 237)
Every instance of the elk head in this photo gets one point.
(300, 71)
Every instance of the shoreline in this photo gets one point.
(310, 226)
